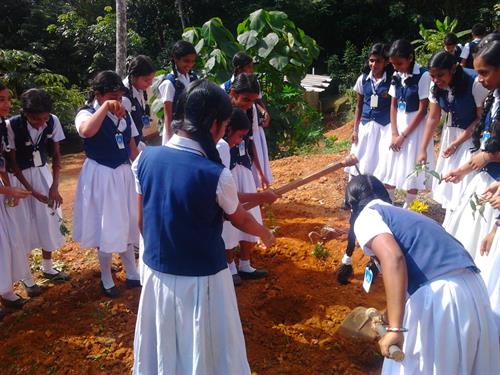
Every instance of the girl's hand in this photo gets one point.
(354, 137)
(454, 176)
(390, 338)
(478, 160)
(16, 193)
(40, 197)
(397, 143)
(450, 150)
(116, 108)
(422, 157)
(55, 198)
(264, 181)
(266, 119)
(492, 191)
(486, 243)
(269, 196)
(495, 202)
(268, 239)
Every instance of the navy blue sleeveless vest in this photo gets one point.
(25, 145)
(102, 147)
(381, 114)
(469, 63)
(463, 107)
(182, 220)
(409, 93)
(428, 249)
(137, 114)
(179, 87)
(245, 157)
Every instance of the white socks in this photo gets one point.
(29, 282)
(128, 260)
(347, 260)
(48, 267)
(409, 200)
(105, 262)
(245, 266)
(232, 268)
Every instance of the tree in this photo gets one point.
(121, 37)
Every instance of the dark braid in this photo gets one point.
(478, 131)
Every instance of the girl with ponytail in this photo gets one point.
(184, 192)
(182, 61)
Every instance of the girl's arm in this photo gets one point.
(18, 173)
(245, 222)
(54, 195)
(395, 275)
(9, 191)
(465, 135)
(265, 114)
(415, 122)
(256, 162)
(139, 212)
(394, 124)
(488, 240)
(357, 117)
(90, 127)
(167, 126)
(133, 149)
(430, 125)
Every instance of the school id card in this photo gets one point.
(374, 101)
(37, 158)
(119, 141)
(368, 279)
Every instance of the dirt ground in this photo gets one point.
(289, 319)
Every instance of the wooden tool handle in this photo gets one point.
(394, 351)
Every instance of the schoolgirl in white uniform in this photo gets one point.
(372, 132)
(456, 92)
(32, 136)
(105, 214)
(260, 119)
(140, 74)
(437, 304)
(188, 320)
(236, 131)
(470, 49)
(14, 265)
(410, 92)
(183, 60)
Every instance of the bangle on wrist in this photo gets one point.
(396, 329)
(403, 134)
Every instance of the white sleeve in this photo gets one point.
(133, 128)
(368, 225)
(167, 91)
(431, 97)
(479, 92)
(81, 117)
(227, 194)
(358, 86)
(423, 86)
(127, 104)
(10, 136)
(57, 133)
(392, 89)
(135, 167)
(465, 51)
(224, 153)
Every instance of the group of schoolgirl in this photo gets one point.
(393, 131)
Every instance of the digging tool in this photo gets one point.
(375, 316)
(347, 162)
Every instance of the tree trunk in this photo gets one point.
(121, 37)
(181, 13)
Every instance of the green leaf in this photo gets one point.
(278, 62)
(210, 64)
(472, 204)
(189, 34)
(199, 46)
(267, 45)
(277, 19)
(258, 20)
(248, 39)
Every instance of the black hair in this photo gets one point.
(239, 121)
(380, 49)
(180, 49)
(445, 60)
(489, 52)
(36, 101)
(450, 39)
(2, 86)
(492, 37)
(104, 82)
(240, 60)
(403, 48)
(246, 82)
(361, 190)
(140, 65)
(479, 29)
(202, 103)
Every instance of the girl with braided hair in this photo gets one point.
(188, 320)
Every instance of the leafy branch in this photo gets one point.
(477, 205)
(424, 168)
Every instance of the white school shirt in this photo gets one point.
(370, 224)
(226, 192)
(137, 94)
(496, 103)
(358, 86)
(478, 92)
(85, 114)
(423, 84)
(57, 132)
(167, 88)
(466, 50)
(224, 152)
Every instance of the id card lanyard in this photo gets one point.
(402, 100)
(374, 96)
(120, 142)
(37, 156)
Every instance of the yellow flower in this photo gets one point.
(419, 206)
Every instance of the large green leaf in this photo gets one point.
(248, 39)
(278, 62)
(277, 19)
(190, 34)
(267, 45)
(258, 20)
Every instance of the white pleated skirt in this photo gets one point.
(44, 227)
(370, 150)
(451, 330)
(259, 138)
(105, 208)
(189, 325)
(14, 265)
(449, 194)
(399, 165)
(245, 184)
(470, 229)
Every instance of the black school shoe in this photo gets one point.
(2, 314)
(257, 274)
(15, 305)
(344, 272)
(59, 276)
(112, 292)
(130, 284)
(32, 291)
(237, 279)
